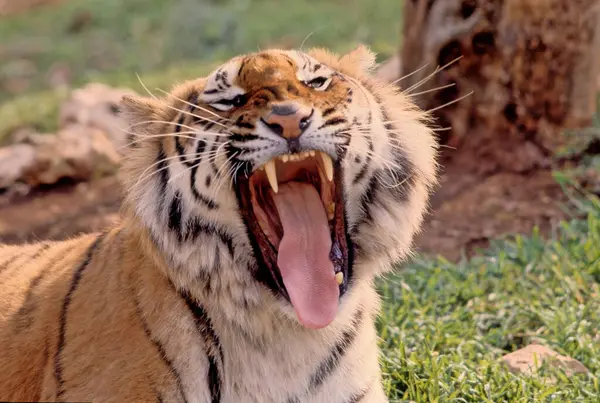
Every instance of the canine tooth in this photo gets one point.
(339, 277)
(330, 211)
(328, 165)
(272, 175)
(285, 158)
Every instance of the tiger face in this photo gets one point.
(283, 178)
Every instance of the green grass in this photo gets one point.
(148, 35)
(165, 41)
(445, 326)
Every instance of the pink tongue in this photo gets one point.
(303, 258)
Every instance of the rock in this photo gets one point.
(14, 160)
(77, 152)
(529, 359)
(96, 106)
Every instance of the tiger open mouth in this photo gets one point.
(294, 209)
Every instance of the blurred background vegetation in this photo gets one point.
(49, 49)
(111, 40)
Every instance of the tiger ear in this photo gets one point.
(361, 57)
(136, 109)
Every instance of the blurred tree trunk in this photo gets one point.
(532, 66)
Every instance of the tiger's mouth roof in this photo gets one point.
(293, 207)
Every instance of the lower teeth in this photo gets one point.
(339, 277)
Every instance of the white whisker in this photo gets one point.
(194, 105)
(166, 122)
(451, 102)
(144, 86)
(432, 90)
(224, 177)
(143, 178)
(144, 137)
(409, 74)
(427, 78)
(305, 39)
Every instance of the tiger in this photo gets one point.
(261, 203)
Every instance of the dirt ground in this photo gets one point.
(467, 210)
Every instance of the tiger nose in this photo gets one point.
(288, 119)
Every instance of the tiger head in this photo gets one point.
(283, 178)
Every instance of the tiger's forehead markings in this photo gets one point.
(265, 67)
(222, 78)
(220, 83)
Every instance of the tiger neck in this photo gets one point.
(240, 304)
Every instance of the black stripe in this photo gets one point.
(369, 155)
(179, 123)
(159, 349)
(401, 179)
(329, 365)
(200, 147)
(28, 259)
(205, 327)
(213, 158)
(405, 170)
(208, 202)
(245, 125)
(242, 65)
(181, 153)
(209, 92)
(77, 275)
(23, 320)
(192, 100)
(328, 112)
(363, 170)
(238, 137)
(175, 211)
(367, 201)
(163, 178)
(195, 227)
(358, 396)
(9, 261)
(333, 121)
(37, 254)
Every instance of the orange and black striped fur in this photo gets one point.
(174, 304)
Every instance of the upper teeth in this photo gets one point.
(328, 164)
(272, 175)
(271, 170)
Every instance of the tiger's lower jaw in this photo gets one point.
(297, 229)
